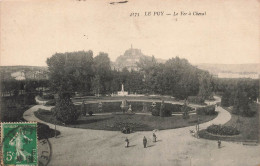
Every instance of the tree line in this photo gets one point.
(83, 73)
(239, 94)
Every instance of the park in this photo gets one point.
(87, 112)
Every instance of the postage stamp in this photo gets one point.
(19, 143)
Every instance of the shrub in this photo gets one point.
(29, 99)
(196, 100)
(162, 109)
(155, 112)
(208, 110)
(44, 131)
(50, 103)
(185, 109)
(90, 113)
(222, 130)
(83, 109)
(44, 112)
(65, 111)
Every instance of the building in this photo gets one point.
(129, 60)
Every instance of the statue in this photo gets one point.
(100, 105)
(122, 88)
(124, 106)
(144, 107)
(130, 111)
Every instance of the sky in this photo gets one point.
(228, 33)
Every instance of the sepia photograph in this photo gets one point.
(129, 83)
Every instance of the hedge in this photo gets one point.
(50, 103)
(196, 100)
(47, 96)
(208, 110)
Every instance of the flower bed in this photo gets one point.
(222, 130)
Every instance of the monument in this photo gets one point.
(122, 92)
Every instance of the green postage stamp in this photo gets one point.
(19, 143)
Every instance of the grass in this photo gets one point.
(115, 122)
(46, 116)
(12, 108)
(247, 126)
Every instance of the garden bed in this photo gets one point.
(115, 122)
(247, 126)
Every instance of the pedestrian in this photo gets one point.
(144, 142)
(219, 143)
(126, 142)
(154, 137)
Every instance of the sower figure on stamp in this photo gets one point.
(19, 140)
(144, 142)
(126, 142)
(154, 137)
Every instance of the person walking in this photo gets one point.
(219, 144)
(144, 142)
(126, 142)
(154, 137)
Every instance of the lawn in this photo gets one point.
(115, 122)
(13, 107)
(247, 126)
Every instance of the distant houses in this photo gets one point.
(24, 72)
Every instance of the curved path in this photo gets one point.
(174, 147)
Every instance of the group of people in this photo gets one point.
(144, 141)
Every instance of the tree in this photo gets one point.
(68, 73)
(205, 85)
(83, 109)
(225, 99)
(71, 72)
(162, 109)
(181, 78)
(102, 68)
(185, 111)
(236, 109)
(96, 84)
(65, 111)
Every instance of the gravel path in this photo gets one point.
(79, 147)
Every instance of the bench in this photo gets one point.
(250, 142)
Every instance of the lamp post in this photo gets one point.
(55, 130)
